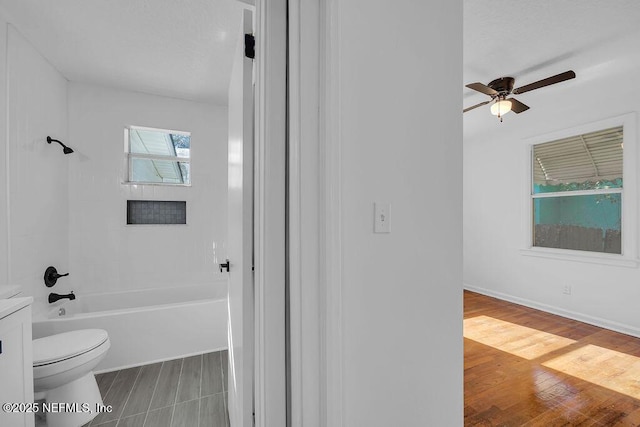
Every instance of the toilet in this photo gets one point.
(62, 374)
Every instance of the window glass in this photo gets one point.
(159, 156)
(159, 171)
(586, 223)
(577, 192)
(583, 162)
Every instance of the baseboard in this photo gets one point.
(581, 317)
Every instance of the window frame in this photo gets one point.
(129, 156)
(628, 194)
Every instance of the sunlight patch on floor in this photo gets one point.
(607, 368)
(518, 340)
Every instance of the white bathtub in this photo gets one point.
(145, 326)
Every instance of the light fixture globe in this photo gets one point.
(501, 107)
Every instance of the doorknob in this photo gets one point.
(224, 265)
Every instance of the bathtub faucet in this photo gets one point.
(55, 297)
(51, 276)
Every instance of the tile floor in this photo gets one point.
(189, 392)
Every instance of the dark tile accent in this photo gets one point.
(224, 359)
(186, 414)
(117, 395)
(105, 381)
(189, 387)
(211, 374)
(142, 391)
(165, 394)
(156, 212)
(133, 421)
(212, 411)
(159, 417)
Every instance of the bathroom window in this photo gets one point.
(577, 192)
(158, 156)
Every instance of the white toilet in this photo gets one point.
(62, 374)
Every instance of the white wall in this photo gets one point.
(37, 172)
(495, 184)
(401, 142)
(70, 210)
(108, 255)
(4, 162)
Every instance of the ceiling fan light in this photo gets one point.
(500, 108)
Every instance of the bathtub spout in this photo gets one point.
(55, 297)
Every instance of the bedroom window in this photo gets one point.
(577, 192)
(158, 156)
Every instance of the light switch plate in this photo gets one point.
(382, 218)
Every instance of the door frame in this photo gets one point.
(314, 216)
(270, 383)
(299, 372)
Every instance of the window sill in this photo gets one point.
(581, 256)
(165, 184)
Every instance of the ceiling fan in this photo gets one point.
(500, 88)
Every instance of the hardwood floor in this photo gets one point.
(524, 367)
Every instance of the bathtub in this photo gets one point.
(145, 326)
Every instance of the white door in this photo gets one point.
(240, 235)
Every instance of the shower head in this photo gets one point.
(65, 149)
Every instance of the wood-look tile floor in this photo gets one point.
(524, 367)
(189, 392)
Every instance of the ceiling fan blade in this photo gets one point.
(482, 88)
(517, 106)
(567, 75)
(476, 106)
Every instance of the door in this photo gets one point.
(240, 235)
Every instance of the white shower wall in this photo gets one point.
(70, 210)
(35, 203)
(4, 241)
(105, 253)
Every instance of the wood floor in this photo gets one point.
(524, 367)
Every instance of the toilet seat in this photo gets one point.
(59, 358)
(67, 345)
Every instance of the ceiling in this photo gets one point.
(184, 48)
(175, 48)
(534, 39)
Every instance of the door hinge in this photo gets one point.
(249, 46)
